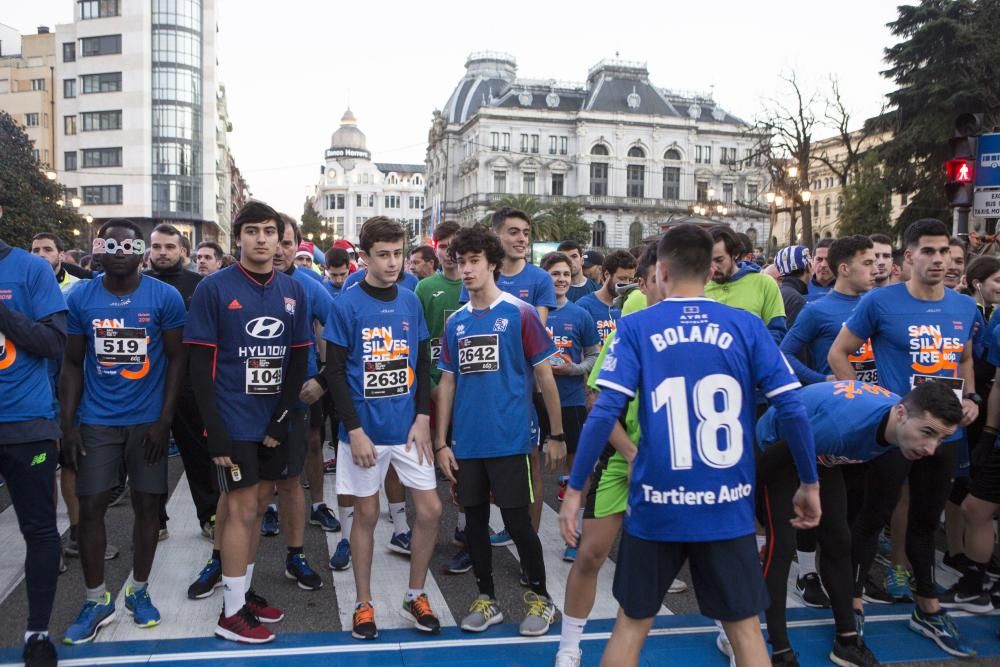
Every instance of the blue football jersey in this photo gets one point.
(694, 365)
(492, 354)
(27, 286)
(409, 280)
(572, 331)
(124, 349)
(845, 418)
(252, 328)
(605, 317)
(531, 285)
(815, 291)
(318, 303)
(383, 340)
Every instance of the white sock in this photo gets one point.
(413, 593)
(346, 521)
(31, 633)
(316, 506)
(97, 594)
(234, 594)
(572, 631)
(273, 506)
(807, 562)
(461, 521)
(761, 541)
(134, 585)
(249, 579)
(398, 512)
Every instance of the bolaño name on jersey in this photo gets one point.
(707, 334)
(682, 496)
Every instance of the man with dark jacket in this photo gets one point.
(794, 264)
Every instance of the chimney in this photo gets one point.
(43, 30)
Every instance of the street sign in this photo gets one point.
(986, 203)
(988, 162)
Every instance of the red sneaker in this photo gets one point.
(562, 491)
(242, 627)
(259, 607)
(330, 466)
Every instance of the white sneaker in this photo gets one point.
(677, 586)
(722, 643)
(568, 657)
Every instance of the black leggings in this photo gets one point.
(930, 482)
(517, 521)
(777, 481)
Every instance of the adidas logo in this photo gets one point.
(235, 305)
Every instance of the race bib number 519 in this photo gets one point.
(120, 345)
(479, 354)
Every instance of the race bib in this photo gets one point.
(384, 379)
(120, 345)
(865, 371)
(3, 344)
(479, 354)
(957, 385)
(435, 345)
(263, 375)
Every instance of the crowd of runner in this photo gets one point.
(702, 407)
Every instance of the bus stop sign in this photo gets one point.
(988, 161)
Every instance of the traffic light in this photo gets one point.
(960, 169)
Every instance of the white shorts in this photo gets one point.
(353, 480)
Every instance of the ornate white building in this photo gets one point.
(352, 188)
(632, 154)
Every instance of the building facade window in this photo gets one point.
(93, 158)
(392, 201)
(816, 208)
(752, 194)
(826, 207)
(635, 234)
(635, 176)
(528, 183)
(69, 88)
(636, 152)
(416, 201)
(505, 141)
(102, 194)
(672, 154)
(524, 143)
(495, 141)
(727, 193)
(558, 185)
(38, 84)
(553, 144)
(499, 181)
(98, 9)
(703, 154)
(69, 125)
(175, 121)
(178, 47)
(534, 143)
(92, 121)
(599, 179)
(672, 183)
(180, 13)
(69, 161)
(175, 158)
(69, 52)
(104, 45)
(840, 203)
(563, 145)
(31, 120)
(599, 235)
(701, 190)
(335, 202)
(110, 82)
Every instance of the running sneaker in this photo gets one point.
(259, 607)
(297, 568)
(788, 658)
(72, 549)
(942, 630)
(569, 657)
(954, 564)
(569, 554)
(562, 490)
(874, 593)
(92, 617)
(270, 525)
(305, 483)
(541, 613)
(458, 539)
(995, 595)
(884, 552)
(418, 611)
(118, 495)
(39, 651)
(208, 580)
(897, 584)
(324, 517)
(400, 543)
(852, 652)
(460, 563)
(524, 580)
(677, 586)
(208, 529)
(364, 622)
(501, 539)
(62, 564)
(140, 606)
(172, 451)
(722, 643)
(341, 558)
(958, 597)
(811, 591)
(483, 612)
(859, 622)
(993, 571)
(329, 466)
(243, 627)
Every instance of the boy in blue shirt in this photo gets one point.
(691, 493)
(124, 340)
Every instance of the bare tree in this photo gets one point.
(854, 143)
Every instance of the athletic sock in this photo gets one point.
(461, 521)
(295, 550)
(134, 585)
(234, 590)
(398, 512)
(316, 506)
(249, 577)
(346, 520)
(97, 594)
(413, 593)
(31, 633)
(973, 577)
(807, 562)
(572, 632)
(761, 541)
(216, 555)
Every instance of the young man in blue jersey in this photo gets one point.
(577, 344)
(124, 340)
(580, 285)
(919, 332)
(378, 372)
(32, 336)
(853, 422)
(691, 495)
(338, 267)
(494, 349)
(248, 336)
(618, 269)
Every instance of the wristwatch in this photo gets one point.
(559, 438)
(974, 397)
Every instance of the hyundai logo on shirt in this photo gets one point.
(265, 327)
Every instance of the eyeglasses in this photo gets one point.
(112, 246)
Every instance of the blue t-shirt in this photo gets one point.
(333, 290)
(577, 292)
(383, 340)
(845, 418)
(572, 330)
(814, 290)
(693, 365)
(318, 302)
(27, 286)
(124, 365)
(409, 280)
(252, 328)
(913, 339)
(492, 354)
(531, 285)
(605, 317)
(815, 329)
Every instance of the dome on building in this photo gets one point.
(349, 136)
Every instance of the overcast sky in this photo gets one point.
(292, 67)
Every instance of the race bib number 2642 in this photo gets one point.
(479, 354)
